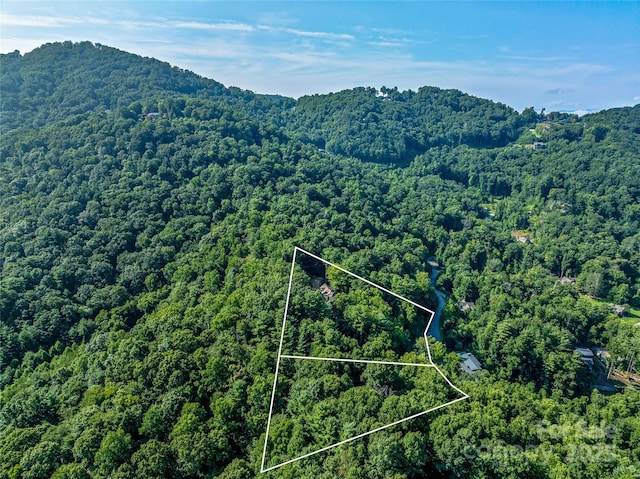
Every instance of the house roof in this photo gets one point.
(618, 308)
(585, 353)
(466, 305)
(326, 291)
(470, 363)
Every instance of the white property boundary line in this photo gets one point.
(343, 360)
(287, 356)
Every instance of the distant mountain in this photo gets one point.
(393, 126)
(57, 81)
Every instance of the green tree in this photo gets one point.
(115, 449)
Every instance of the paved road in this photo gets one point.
(434, 329)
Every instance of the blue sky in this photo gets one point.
(574, 56)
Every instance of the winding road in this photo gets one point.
(434, 329)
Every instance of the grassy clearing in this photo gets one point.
(630, 316)
(490, 207)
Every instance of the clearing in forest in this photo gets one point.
(352, 361)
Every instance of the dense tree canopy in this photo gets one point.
(147, 222)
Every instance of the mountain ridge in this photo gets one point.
(384, 126)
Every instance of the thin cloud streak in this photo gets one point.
(40, 21)
(303, 33)
(53, 21)
(224, 26)
(387, 44)
(535, 59)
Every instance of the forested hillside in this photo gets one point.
(148, 218)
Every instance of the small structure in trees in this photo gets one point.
(586, 356)
(466, 306)
(618, 309)
(321, 284)
(327, 292)
(470, 363)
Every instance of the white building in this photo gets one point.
(470, 363)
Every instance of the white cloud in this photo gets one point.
(224, 26)
(581, 112)
(324, 35)
(394, 42)
(387, 44)
(41, 21)
(535, 58)
(304, 33)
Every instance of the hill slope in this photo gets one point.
(56, 81)
(144, 263)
